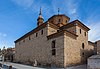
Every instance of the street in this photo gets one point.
(21, 66)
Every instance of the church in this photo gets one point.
(56, 42)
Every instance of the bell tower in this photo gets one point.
(40, 19)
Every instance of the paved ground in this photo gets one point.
(78, 67)
(21, 66)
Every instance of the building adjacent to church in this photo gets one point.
(94, 61)
(55, 42)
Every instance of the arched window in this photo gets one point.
(82, 45)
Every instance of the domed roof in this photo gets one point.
(63, 15)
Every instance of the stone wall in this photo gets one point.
(98, 47)
(94, 62)
(40, 49)
(71, 52)
(33, 49)
(83, 39)
(72, 29)
(74, 53)
(92, 48)
(58, 59)
(50, 30)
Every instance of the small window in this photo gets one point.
(29, 38)
(83, 54)
(80, 31)
(24, 40)
(53, 44)
(36, 34)
(66, 21)
(85, 33)
(53, 52)
(95, 42)
(19, 43)
(41, 32)
(82, 45)
(51, 21)
(57, 30)
(59, 20)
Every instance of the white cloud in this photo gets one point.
(3, 39)
(23, 3)
(94, 33)
(72, 8)
(94, 24)
(2, 35)
(73, 11)
(68, 7)
(6, 45)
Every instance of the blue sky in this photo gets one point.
(18, 17)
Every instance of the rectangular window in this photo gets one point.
(57, 30)
(80, 31)
(54, 52)
(53, 44)
(85, 33)
(24, 40)
(51, 21)
(41, 32)
(83, 54)
(59, 20)
(19, 43)
(29, 38)
(82, 45)
(36, 34)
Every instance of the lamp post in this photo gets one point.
(3, 52)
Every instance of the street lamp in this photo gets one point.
(3, 52)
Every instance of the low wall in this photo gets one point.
(94, 62)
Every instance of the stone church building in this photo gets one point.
(55, 42)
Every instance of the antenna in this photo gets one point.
(40, 11)
(58, 10)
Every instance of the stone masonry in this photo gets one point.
(56, 42)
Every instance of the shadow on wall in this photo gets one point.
(85, 54)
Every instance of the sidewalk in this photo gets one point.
(21, 66)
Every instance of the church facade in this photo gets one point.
(55, 42)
